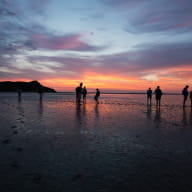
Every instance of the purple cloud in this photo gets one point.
(65, 42)
(155, 16)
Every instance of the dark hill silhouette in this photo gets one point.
(33, 86)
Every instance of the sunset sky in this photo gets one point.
(122, 45)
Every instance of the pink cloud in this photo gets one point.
(70, 42)
(180, 25)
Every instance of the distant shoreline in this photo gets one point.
(103, 93)
(120, 93)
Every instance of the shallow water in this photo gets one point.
(119, 144)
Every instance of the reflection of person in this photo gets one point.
(185, 94)
(190, 95)
(157, 117)
(84, 94)
(149, 96)
(148, 112)
(158, 94)
(78, 93)
(97, 95)
(40, 106)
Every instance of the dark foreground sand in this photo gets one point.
(116, 146)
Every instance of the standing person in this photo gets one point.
(78, 93)
(97, 95)
(185, 94)
(84, 94)
(158, 94)
(19, 94)
(40, 94)
(149, 96)
(191, 97)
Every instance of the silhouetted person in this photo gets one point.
(40, 94)
(149, 96)
(185, 94)
(19, 94)
(78, 93)
(190, 95)
(97, 95)
(158, 94)
(84, 94)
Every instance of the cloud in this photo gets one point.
(38, 6)
(152, 57)
(146, 16)
(20, 33)
(124, 3)
(65, 42)
(149, 60)
(173, 20)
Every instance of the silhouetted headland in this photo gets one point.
(32, 86)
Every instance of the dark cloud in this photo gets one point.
(152, 57)
(155, 16)
(178, 20)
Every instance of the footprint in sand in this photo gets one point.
(14, 126)
(15, 132)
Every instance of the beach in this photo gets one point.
(121, 144)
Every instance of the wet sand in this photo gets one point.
(121, 144)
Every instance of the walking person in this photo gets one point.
(149, 96)
(97, 96)
(158, 94)
(84, 94)
(78, 93)
(185, 94)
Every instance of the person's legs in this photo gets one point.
(157, 100)
(184, 100)
(150, 99)
(79, 98)
(84, 99)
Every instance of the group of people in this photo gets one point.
(82, 91)
(158, 93)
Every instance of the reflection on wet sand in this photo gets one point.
(96, 147)
(184, 118)
(190, 117)
(97, 110)
(149, 110)
(40, 107)
(157, 118)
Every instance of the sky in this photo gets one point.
(114, 45)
